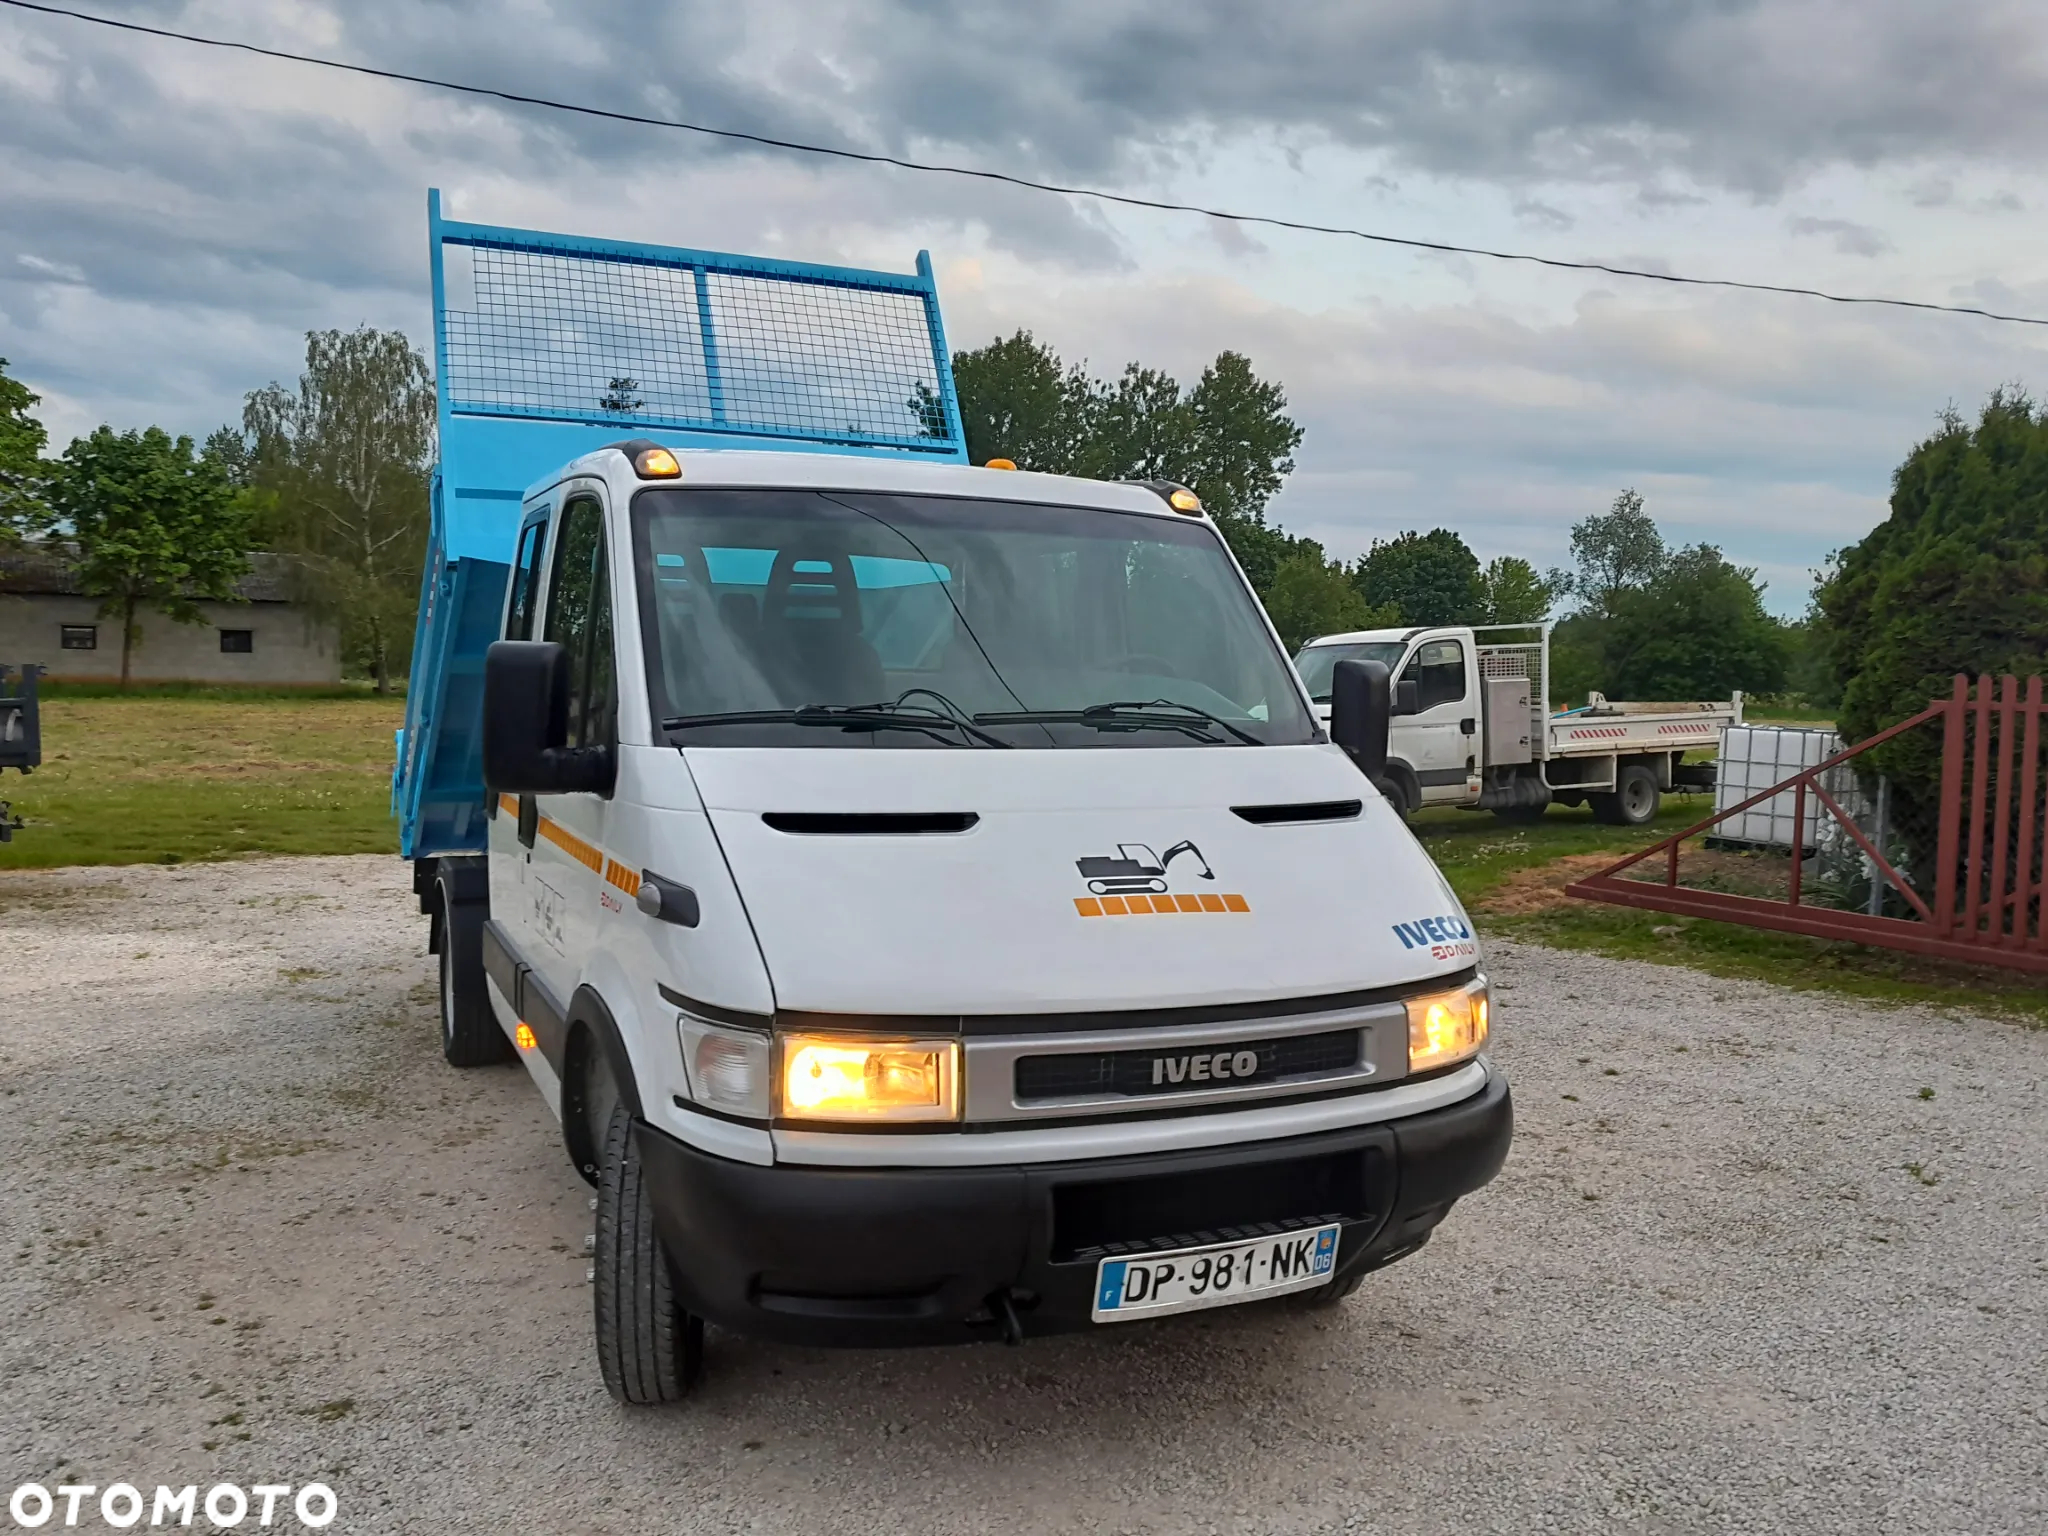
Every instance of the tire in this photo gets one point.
(1401, 792)
(648, 1347)
(1635, 800)
(470, 1036)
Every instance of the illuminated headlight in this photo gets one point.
(1446, 1027)
(845, 1077)
(728, 1069)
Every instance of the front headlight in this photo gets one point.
(1446, 1027)
(845, 1077)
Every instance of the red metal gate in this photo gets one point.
(1962, 874)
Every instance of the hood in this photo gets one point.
(1089, 879)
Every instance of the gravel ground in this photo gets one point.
(1760, 1261)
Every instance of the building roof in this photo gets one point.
(46, 569)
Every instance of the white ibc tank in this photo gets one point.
(1754, 757)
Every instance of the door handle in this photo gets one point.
(1468, 726)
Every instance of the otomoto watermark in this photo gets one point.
(125, 1506)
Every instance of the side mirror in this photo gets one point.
(526, 725)
(1361, 709)
(1408, 697)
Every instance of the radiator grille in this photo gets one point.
(1099, 1074)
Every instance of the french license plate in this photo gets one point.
(1155, 1284)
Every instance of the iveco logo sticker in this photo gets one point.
(1205, 1067)
(1446, 938)
(1134, 882)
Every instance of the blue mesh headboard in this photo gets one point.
(546, 346)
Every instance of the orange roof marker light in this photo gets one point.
(656, 464)
(999, 464)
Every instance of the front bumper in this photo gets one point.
(914, 1256)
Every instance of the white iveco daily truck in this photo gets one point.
(1473, 727)
(923, 892)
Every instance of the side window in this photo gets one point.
(525, 581)
(1438, 671)
(579, 618)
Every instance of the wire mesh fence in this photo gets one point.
(642, 341)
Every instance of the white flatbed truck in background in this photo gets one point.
(1473, 726)
(925, 894)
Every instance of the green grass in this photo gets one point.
(165, 779)
(228, 692)
(1477, 851)
(1482, 858)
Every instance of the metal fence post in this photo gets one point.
(1880, 834)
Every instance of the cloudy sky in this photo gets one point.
(173, 219)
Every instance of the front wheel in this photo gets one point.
(648, 1347)
(1635, 801)
(1401, 792)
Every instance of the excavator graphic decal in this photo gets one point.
(1133, 883)
(1136, 868)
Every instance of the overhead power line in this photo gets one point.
(924, 167)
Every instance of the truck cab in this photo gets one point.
(1438, 751)
(925, 894)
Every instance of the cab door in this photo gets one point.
(512, 820)
(566, 869)
(1438, 740)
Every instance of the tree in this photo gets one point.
(1019, 402)
(1955, 580)
(1697, 629)
(1432, 578)
(22, 471)
(1228, 439)
(1510, 592)
(1655, 623)
(347, 457)
(155, 526)
(1616, 550)
(1311, 596)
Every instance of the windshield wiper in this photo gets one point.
(1131, 715)
(854, 717)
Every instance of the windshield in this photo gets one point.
(948, 622)
(1316, 663)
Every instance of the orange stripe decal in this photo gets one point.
(625, 879)
(572, 845)
(509, 804)
(1144, 905)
